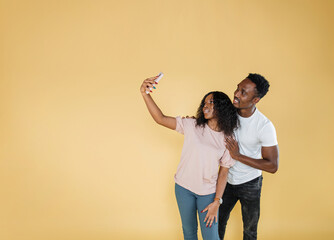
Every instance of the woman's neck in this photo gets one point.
(213, 124)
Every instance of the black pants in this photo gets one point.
(249, 194)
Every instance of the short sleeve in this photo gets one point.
(179, 125)
(226, 160)
(268, 136)
(184, 125)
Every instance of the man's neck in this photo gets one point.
(247, 112)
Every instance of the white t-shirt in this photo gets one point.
(254, 133)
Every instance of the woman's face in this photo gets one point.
(208, 109)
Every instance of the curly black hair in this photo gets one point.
(224, 110)
(262, 85)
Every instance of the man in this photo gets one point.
(257, 150)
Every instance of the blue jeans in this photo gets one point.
(249, 195)
(189, 205)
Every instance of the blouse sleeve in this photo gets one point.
(179, 125)
(226, 160)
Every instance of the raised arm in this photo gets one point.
(268, 162)
(156, 113)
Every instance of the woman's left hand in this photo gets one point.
(212, 212)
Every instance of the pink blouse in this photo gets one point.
(203, 152)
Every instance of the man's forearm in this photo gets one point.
(262, 164)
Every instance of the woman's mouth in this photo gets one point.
(235, 100)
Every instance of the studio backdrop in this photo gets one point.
(81, 158)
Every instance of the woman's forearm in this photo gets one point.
(154, 110)
(221, 182)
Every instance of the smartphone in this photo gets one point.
(160, 75)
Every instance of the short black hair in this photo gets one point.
(262, 85)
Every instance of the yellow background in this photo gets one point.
(80, 157)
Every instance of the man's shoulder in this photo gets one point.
(261, 119)
(257, 124)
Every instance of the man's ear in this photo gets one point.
(256, 100)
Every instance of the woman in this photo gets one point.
(201, 175)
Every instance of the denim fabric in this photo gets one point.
(189, 205)
(249, 194)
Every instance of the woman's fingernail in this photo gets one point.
(154, 87)
(156, 83)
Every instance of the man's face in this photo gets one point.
(245, 96)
